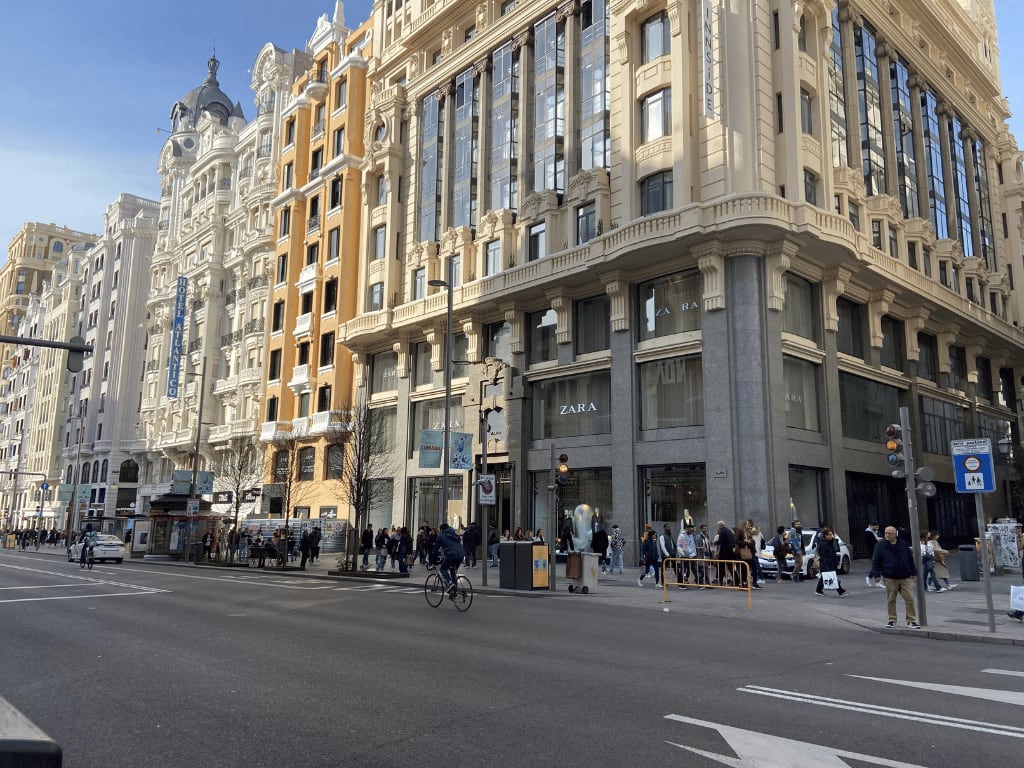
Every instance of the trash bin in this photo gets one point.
(969, 568)
(506, 565)
(581, 571)
(195, 552)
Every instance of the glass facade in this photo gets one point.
(903, 130)
(504, 126)
(572, 407)
(467, 117)
(962, 204)
(801, 393)
(669, 305)
(594, 114)
(836, 96)
(543, 344)
(867, 406)
(432, 154)
(935, 171)
(671, 392)
(549, 114)
(870, 97)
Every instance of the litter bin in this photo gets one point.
(581, 571)
(506, 565)
(969, 564)
(195, 552)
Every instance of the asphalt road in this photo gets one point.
(143, 664)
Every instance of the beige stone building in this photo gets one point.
(706, 250)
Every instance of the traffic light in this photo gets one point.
(894, 446)
(75, 356)
(562, 470)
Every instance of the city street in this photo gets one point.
(169, 665)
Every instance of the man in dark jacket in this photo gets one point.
(893, 561)
(366, 544)
(725, 546)
(470, 540)
(448, 543)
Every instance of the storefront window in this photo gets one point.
(801, 393)
(543, 341)
(425, 502)
(800, 310)
(672, 393)
(384, 369)
(429, 414)
(672, 493)
(591, 487)
(580, 405)
(669, 305)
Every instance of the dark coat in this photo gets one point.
(599, 542)
(649, 551)
(828, 554)
(726, 544)
(893, 561)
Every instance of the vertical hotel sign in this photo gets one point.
(707, 55)
(177, 337)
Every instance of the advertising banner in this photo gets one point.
(177, 337)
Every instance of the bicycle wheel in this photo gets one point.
(463, 597)
(433, 590)
(90, 562)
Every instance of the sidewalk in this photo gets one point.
(959, 614)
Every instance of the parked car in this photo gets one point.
(107, 547)
(810, 567)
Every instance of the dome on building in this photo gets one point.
(207, 97)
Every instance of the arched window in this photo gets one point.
(70, 476)
(85, 473)
(96, 471)
(103, 471)
(129, 472)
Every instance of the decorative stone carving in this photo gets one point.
(834, 285)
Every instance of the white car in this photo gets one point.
(107, 547)
(810, 565)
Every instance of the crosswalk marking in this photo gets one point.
(890, 712)
(1003, 697)
(1004, 672)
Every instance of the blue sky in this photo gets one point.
(79, 116)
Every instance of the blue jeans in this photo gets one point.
(493, 548)
(616, 559)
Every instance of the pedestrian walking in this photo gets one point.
(366, 544)
(304, 548)
(797, 549)
(704, 553)
(617, 544)
(492, 544)
(686, 546)
(381, 543)
(667, 550)
(941, 571)
(893, 561)
(928, 563)
(725, 549)
(780, 551)
(828, 560)
(648, 559)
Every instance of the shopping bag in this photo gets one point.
(829, 580)
(1017, 598)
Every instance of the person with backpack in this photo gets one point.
(780, 551)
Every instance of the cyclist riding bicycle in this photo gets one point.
(88, 540)
(449, 542)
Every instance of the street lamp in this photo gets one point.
(446, 459)
(1005, 447)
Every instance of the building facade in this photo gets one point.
(704, 252)
(319, 211)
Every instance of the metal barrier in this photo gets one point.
(723, 569)
(22, 743)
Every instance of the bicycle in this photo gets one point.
(87, 560)
(435, 590)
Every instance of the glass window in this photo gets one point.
(852, 327)
(281, 466)
(380, 242)
(375, 298)
(272, 404)
(543, 342)
(277, 319)
(941, 423)
(286, 222)
(670, 305)
(498, 338)
(382, 190)
(334, 465)
(928, 359)
(419, 283)
(892, 343)
(335, 194)
(655, 37)
(656, 115)
(806, 112)
(810, 186)
(867, 407)
(307, 463)
(593, 326)
(801, 393)
(672, 393)
(537, 245)
(323, 398)
(383, 372)
(493, 265)
(331, 295)
(586, 223)
(460, 355)
(957, 368)
(333, 244)
(656, 193)
(327, 349)
(429, 414)
(800, 313)
(421, 364)
(580, 405)
(274, 372)
(983, 388)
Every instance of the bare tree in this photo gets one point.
(238, 468)
(369, 459)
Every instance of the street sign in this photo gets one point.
(972, 465)
(44, 486)
(192, 508)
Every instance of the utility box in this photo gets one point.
(970, 570)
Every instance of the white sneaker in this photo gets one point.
(942, 589)
(952, 586)
(639, 582)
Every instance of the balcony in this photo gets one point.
(308, 274)
(303, 325)
(250, 376)
(227, 339)
(195, 346)
(329, 423)
(300, 427)
(219, 434)
(274, 430)
(300, 377)
(256, 282)
(255, 327)
(316, 85)
(313, 224)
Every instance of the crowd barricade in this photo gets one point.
(710, 574)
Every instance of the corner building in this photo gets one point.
(707, 258)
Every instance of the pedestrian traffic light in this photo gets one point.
(562, 470)
(894, 446)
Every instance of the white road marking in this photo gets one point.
(1004, 672)
(42, 586)
(85, 597)
(891, 712)
(1003, 697)
(762, 750)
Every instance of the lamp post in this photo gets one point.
(192, 500)
(446, 448)
(1005, 447)
(485, 436)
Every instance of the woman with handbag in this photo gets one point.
(828, 560)
(780, 551)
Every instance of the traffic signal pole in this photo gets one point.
(915, 526)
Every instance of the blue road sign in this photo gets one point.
(972, 465)
(44, 486)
